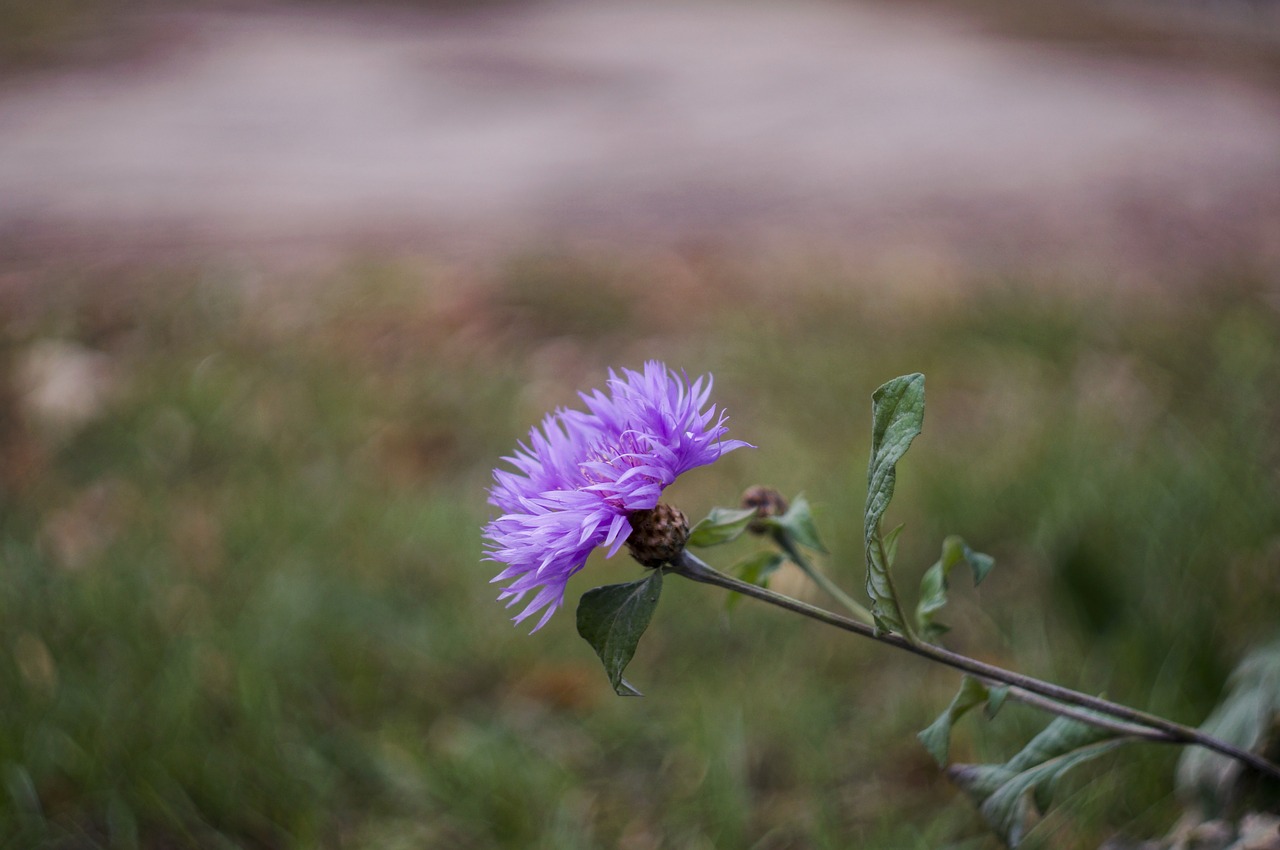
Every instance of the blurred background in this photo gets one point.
(281, 282)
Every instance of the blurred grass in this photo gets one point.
(243, 603)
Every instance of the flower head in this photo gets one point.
(582, 474)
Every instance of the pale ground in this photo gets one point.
(890, 135)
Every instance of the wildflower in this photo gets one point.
(582, 475)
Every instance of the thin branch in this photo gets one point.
(693, 568)
(1130, 730)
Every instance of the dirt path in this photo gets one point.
(825, 127)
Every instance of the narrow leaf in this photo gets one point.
(798, 523)
(612, 619)
(1007, 810)
(1061, 736)
(980, 564)
(891, 544)
(897, 413)
(755, 570)
(995, 699)
(758, 568)
(721, 526)
(936, 580)
(937, 737)
(1005, 793)
(1248, 716)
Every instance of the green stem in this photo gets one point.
(787, 545)
(693, 568)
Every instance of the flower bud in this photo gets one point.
(658, 536)
(767, 501)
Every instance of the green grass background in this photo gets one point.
(245, 607)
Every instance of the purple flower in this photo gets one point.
(582, 474)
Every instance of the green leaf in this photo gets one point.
(897, 414)
(756, 570)
(1005, 793)
(721, 526)
(891, 544)
(995, 699)
(613, 618)
(934, 584)
(937, 737)
(798, 523)
(1248, 716)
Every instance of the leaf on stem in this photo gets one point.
(933, 586)
(612, 619)
(996, 695)
(756, 570)
(721, 526)
(937, 737)
(1008, 793)
(1246, 718)
(897, 413)
(798, 523)
(891, 544)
